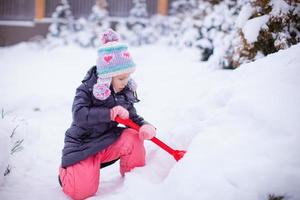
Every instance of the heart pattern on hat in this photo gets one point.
(108, 57)
(126, 55)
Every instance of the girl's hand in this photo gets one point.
(119, 111)
(147, 132)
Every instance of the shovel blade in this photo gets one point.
(178, 154)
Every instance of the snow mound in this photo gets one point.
(251, 148)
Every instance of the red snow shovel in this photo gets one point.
(177, 154)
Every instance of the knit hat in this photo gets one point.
(113, 60)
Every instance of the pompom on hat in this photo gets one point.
(113, 60)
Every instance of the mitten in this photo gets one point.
(119, 111)
(147, 132)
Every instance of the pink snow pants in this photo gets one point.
(81, 180)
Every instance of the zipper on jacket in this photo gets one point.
(115, 98)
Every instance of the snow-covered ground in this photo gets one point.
(241, 128)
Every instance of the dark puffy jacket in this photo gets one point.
(92, 129)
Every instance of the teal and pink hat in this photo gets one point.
(113, 60)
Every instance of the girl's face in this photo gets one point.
(119, 82)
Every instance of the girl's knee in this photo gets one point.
(131, 142)
(83, 194)
(76, 190)
(129, 132)
(77, 184)
(131, 136)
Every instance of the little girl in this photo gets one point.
(94, 139)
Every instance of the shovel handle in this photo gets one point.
(131, 124)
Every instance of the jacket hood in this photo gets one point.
(90, 78)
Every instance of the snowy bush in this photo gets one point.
(271, 25)
(229, 33)
(226, 33)
(84, 32)
(138, 29)
(183, 31)
(89, 31)
(62, 28)
(216, 28)
(11, 140)
(205, 25)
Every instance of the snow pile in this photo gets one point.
(251, 147)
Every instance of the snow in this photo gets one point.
(240, 128)
(279, 7)
(4, 149)
(244, 147)
(17, 23)
(253, 26)
(12, 135)
(244, 15)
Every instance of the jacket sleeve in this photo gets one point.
(84, 113)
